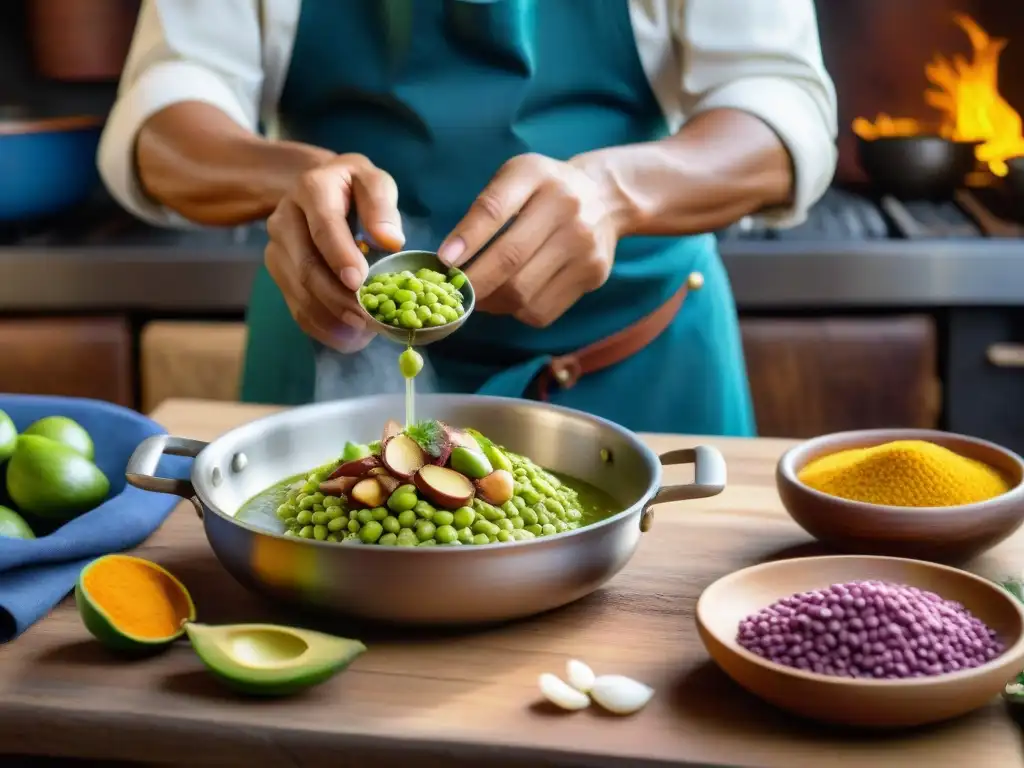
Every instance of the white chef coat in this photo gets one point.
(759, 56)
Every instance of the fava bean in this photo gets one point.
(407, 538)
(463, 517)
(485, 526)
(370, 532)
(445, 534)
(442, 517)
(425, 530)
(402, 499)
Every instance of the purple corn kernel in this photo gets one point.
(870, 629)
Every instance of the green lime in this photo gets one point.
(63, 430)
(8, 437)
(13, 525)
(51, 480)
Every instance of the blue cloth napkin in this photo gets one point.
(36, 574)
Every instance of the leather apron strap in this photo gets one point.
(566, 370)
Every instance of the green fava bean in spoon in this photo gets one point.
(271, 660)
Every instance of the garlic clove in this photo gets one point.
(580, 676)
(621, 695)
(561, 694)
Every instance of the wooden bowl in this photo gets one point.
(941, 534)
(847, 701)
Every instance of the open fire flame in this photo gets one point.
(966, 94)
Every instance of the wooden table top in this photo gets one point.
(471, 698)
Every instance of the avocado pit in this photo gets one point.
(264, 647)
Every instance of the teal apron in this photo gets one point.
(440, 93)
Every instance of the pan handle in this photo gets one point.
(708, 479)
(708, 471)
(146, 457)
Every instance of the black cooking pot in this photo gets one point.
(916, 167)
(1015, 183)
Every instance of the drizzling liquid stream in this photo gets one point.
(410, 363)
(410, 402)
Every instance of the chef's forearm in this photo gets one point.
(722, 165)
(197, 161)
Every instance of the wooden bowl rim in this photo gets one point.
(1014, 650)
(788, 463)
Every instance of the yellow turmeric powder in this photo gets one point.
(139, 599)
(904, 473)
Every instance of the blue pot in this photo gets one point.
(47, 166)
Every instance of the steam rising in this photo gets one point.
(373, 371)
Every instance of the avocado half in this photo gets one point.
(102, 622)
(270, 660)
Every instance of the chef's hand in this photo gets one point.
(560, 247)
(313, 256)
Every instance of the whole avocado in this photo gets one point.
(53, 481)
(13, 525)
(63, 430)
(8, 437)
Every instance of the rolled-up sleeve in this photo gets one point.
(183, 50)
(764, 57)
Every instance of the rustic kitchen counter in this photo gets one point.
(471, 698)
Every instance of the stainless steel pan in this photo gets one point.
(428, 585)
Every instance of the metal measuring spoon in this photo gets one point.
(417, 337)
(412, 261)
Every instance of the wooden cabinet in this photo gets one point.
(191, 359)
(72, 356)
(811, 376)
(984, 374)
